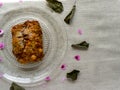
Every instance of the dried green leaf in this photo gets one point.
(83, 45)
(14, 86)
(69, 17)
(55, 5)
(73, 75)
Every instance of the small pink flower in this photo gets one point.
(1, 4)
(1, 32)
(1, 75)
(80, 31)
(77, 57)
(2, 45)
(0, 59)
(63, 66)
(47, 78)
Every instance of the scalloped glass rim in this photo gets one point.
(57, 45)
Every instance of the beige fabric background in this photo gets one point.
(100, 65)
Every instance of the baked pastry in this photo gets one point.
(27, 43)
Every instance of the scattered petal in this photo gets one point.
(80, 31)
(47, 78)
(63, 66)
(1, 32)
(0, 59)
(1, 4)
(1, 75)
(77, 57)
(2, 45)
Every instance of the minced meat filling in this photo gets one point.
(27, 42)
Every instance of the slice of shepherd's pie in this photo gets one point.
(27, 43)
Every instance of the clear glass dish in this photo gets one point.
(55, 44)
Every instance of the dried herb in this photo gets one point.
(55, 5)
(14, 86)
(83, 45)
(73, 75)
(69, 17)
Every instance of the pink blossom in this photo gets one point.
(2, 45)
(77, 57)
(63, 66)
(1, 4)
(47, 78)
(80, 31)
(1, 32)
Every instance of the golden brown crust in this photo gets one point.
(27, 42)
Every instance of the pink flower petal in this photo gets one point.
(1, 32)
(1, 4)
(63, 66)
(2, 45)
(1, 75)
(77, 57)
(0, 59)
(47, 78)
(80, 31)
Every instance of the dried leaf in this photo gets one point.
(69, 17)
(55, 5)
(83, 45)
(73, 75)
(14, 86)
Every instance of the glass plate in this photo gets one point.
(54, 40)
